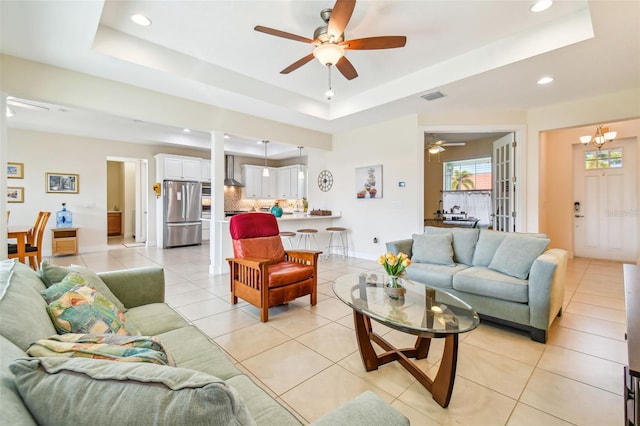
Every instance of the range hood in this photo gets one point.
(228, 179)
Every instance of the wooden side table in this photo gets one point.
(64, 241)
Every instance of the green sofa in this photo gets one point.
(205, 387)
(508, 278)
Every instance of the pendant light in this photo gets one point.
(265, 171)
(300, 169)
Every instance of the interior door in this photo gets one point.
(606, 202)
(142, 200)
(504, 188)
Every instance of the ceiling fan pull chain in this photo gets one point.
(329, 93)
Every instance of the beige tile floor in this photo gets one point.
(306, 356)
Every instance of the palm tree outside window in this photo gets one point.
(467, 188)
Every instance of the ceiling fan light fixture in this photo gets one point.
(435, 150)
(328, 53)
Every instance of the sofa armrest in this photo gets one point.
(364, 410)
(546, 287)
(136, 286)
(404, 246)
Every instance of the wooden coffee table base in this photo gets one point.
(440, 388)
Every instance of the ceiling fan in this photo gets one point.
(330, 43)
(438, 146)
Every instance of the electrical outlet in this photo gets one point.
(375, 240)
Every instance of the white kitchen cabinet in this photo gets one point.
(282, 183)
(178, 167)
(288, 184)
(252, 176)
(205, 170)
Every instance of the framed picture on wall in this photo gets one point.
(369, 182)
(15, 194)
(15, 170)
(62, 183)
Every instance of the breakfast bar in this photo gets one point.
(287, 222)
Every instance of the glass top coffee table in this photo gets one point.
(423, 311)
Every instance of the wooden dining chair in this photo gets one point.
(33, 248)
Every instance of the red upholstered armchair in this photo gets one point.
(262, 272)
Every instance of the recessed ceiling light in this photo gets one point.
(186, 130)
(140, 19)
(545, 80)
(541, 5)
(227, 136)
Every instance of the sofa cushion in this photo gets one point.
(73, 390)
(435, 249)
(487, 282)
(155, 318)
(488, 243)
(440, 276)
(23, 312)
(516, 254)
(260, 248)
(200, 354)
(52, 274)
(285, 273)
(263, 408)
(14, 412)
(464, 242)
(83, 309)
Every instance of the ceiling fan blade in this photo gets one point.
(346, 68)
(340, 16)
(297, 64)
(454, 144)
(283, 34)
(371, 43)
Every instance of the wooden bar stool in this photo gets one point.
(305, 238)
(338, 240)
(288, 236)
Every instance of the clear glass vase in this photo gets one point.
(393, 287)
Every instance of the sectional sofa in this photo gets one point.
(509, 278)
(199, 385)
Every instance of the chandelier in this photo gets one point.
(602, 136)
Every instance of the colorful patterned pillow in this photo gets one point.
(83, 310)
(56, 291)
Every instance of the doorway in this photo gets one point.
(606, 201)
(127, 201)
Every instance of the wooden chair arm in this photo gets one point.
(250, 262)
(302, 256)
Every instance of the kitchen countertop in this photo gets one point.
(293, 217)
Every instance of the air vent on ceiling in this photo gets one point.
(433, 96)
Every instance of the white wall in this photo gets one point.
(48, 152)
(395, 145)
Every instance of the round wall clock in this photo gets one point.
(325, 180)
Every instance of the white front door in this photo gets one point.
(605, 201)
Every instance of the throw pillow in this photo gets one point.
(113, 347)
(435, 249)
(516, 254)
(56, 291)
(83, 310)
(464, 241)
(52, 274)
(81, 390)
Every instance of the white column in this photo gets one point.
(3, 182)
(216, 265)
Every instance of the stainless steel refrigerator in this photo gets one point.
(182, 213)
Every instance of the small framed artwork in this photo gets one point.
(62, 183)
(369, 182)
(15, 194)
(15, 170)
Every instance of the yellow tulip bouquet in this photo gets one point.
(394, 265)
